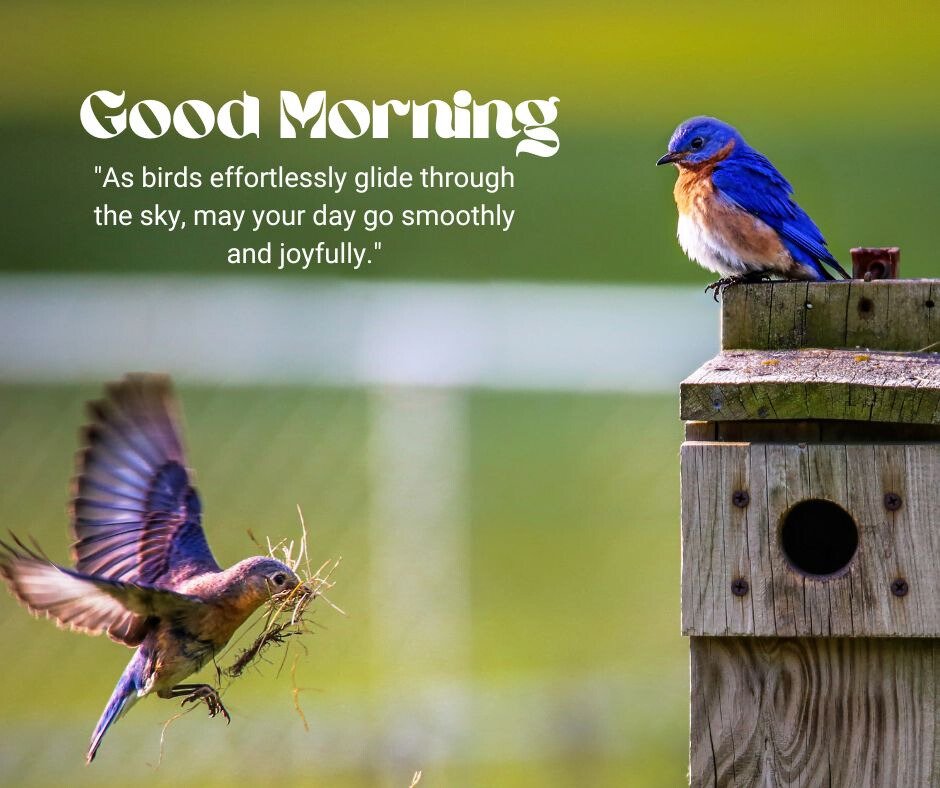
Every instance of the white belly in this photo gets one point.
(709, 251)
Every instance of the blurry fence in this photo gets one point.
(241, 330)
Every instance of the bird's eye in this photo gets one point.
(697, 143)
(279, 579)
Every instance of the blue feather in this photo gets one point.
(749, 180)
(124, 696)
(145, 528)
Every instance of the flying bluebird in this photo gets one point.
(737, 216)
(143, 571)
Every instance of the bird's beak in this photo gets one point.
(669, 158)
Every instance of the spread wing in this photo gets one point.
(135, 516)
(84, 603)
(751, 182)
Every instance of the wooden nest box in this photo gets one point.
(811, 538)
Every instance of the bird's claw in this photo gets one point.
(719, 287)
(211, 696)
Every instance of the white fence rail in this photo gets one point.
(231, 329)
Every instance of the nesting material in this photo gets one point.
(286, 615)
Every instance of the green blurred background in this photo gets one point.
(548, 651)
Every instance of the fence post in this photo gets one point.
(811, 537)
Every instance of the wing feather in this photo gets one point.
(135, 516)
(84, 603)
(136, 519)
(752, 183)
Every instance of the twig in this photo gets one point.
(296, 692)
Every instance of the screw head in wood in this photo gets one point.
(740, 587)
(899, 587)
(892, 501)
(740, 498)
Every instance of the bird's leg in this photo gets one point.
(724, 283)
(196, 692)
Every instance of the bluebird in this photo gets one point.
(143, 573)
(737, 216)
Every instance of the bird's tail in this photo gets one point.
(835, 264)
(124, 696)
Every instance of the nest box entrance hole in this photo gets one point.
(819, 538)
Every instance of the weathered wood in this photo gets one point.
(815, 712)
(700, 431)
(900, 315)
(823, 431)
(801, 678)
(815, 384)
(722, 542)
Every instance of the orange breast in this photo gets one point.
(228, 615)
(693, 191)
(694, 188)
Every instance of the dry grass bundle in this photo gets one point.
(285, 614)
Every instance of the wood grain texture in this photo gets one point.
(815, 384)
(722, 542)
(815, 712)
(900, 315)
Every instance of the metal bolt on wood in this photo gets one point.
(892, 501)
(900, 587)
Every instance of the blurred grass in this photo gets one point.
(607, 59)
(573, 529)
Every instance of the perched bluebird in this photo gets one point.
(143, 571)
(737, 216)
